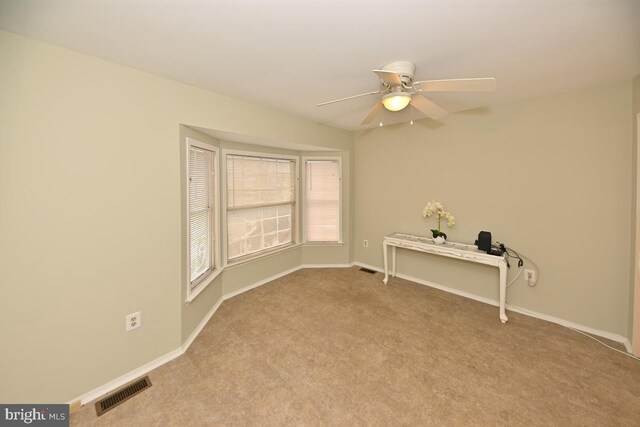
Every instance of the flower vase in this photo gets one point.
(439, 240)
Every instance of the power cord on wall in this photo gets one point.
(517, 275)
(513, 254)
(583, 333)
(605, 344)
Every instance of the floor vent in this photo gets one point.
(368, 270)
(122, 395)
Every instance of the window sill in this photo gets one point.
(249, 258)
(324, 243)
(191, 295)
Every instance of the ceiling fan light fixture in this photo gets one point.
(396, 101)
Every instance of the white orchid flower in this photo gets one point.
(437, 207)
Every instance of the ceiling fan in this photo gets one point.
(399, 90)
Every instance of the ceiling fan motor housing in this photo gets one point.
(405, 69)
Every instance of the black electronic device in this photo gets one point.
(484, 244)
(484, 241)
(495, 251)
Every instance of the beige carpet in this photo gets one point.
(336, 347)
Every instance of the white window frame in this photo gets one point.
(303, 186)
(295, 217)
(197, 286)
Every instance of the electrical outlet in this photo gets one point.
(133, 321)
(365, 243)
(530, 275)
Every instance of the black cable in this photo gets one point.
(509, 255)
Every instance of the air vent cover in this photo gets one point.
(368, 270)
(122, 395)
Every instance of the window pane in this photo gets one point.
(201, 210)
(254, 229)
(284, 223)
(199, 171)
(199, 244)
(322, 200)
(260, 203)
(284, 237)
(235, 249)
(270, 225)
(270, 240)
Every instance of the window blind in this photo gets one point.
(260, 203)
(201, 209)
(322, 200)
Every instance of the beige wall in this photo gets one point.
(550, 177)
(90, 214)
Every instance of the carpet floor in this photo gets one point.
(337, 347)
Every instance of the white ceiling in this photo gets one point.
(291, 55)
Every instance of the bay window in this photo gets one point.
(261, 203)
(322, 200)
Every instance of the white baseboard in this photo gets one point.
(146, 368)
(201, 325)
(128, 377)
(279, 275)
(369, 266)
(259, 283)
(436, 286)
(566, 323)
(572, 325)
(142, 370)
(347, 265)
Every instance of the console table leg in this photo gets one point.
(386, 270)
(503, 293)
(393, 261)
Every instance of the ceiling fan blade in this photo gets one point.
(389, 77)
(349, 97)
(457, 85)
(373, 113)
(427, 107)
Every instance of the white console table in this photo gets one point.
(449, 249)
